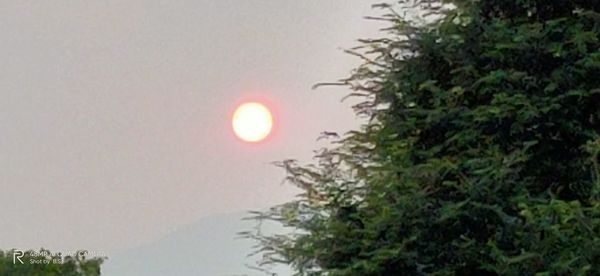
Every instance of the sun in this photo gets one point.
(252, 122)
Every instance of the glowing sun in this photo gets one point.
(252, 122)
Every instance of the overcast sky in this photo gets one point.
(115, 115)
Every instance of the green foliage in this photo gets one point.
(480, 156)
(47, 263)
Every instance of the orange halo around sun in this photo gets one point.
(252, 122)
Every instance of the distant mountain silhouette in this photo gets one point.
(209, 247)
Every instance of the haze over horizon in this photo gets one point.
(115, 116)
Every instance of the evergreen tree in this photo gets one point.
(480, 155)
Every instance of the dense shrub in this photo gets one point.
(480, 156)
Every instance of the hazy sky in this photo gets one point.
(115, 115)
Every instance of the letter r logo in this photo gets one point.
(17, 254)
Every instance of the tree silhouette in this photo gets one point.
(480, 155)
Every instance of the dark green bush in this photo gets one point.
(480, 156)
